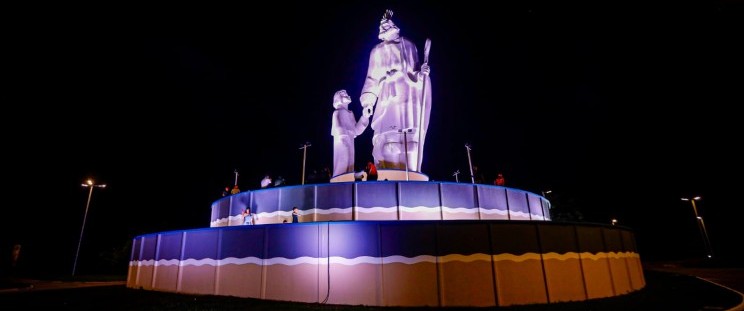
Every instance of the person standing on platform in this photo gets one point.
(499, 181)
(295, 215)
(371, 171)
(248, 217)
(266, 181)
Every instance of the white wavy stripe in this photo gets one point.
(409, 261)
(537, 217)
(494, 211)
(199, 262)
(464, 258)
(240, 261)
(516, 258)
(376, 209)
(519, 214)
(419, 209)
(458, 210)
(562, 257)
(382, 260)
(166, 263)
(334, 210)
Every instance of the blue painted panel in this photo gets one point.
(293, 240)
(150, 247)
(201, 244)
(377, 194)
(517, 201)
(239, 202)
(414, 194)
(463, 238)
(354, 239)
(491, 197)
(515, 238)
(458, 195)
(170, 245)
(535, 206)
(302, 197)
(265, 201)
(407, 238)
(242, 241)
(335, 195)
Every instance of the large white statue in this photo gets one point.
(403, 96)
(344, 128)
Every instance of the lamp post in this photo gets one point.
(470, 163)
(304, 156)
(89, 183)
(405, 145)
(457, 172)
(701, 226)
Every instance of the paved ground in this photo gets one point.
(39, 285)
(125, 299)
(730, 277)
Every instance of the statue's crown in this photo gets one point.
(388, 15)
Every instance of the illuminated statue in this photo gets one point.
(403, 97)
(344, 129)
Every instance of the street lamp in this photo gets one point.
(405, 145)
(457, 172)
(470, 163)
(89, 183)
(701, 226)
(544, 193)
(304, 156)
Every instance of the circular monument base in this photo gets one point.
(397, 175)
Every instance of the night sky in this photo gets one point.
(619, 109)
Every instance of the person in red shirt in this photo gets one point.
(499, 181)
(371, 171)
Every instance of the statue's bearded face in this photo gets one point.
(388, 31)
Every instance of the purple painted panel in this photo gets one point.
(491, 197)
(301, 196)
(354, 239)
(150, 246)
(458, 195)
(463, 237)
(408, 238)
(242, 241)
(265, 201)
(239, 202)
(517, 201)
(415, 193)
(335, 195)
(535, 205)
(377, 194)
(294, 240)
(200, 244)
(170, 245)
(136, 248)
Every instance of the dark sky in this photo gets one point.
(619, 109)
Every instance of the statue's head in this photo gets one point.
(341, 99)
(388, 30)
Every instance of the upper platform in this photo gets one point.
(385, 175)
(381, 200)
